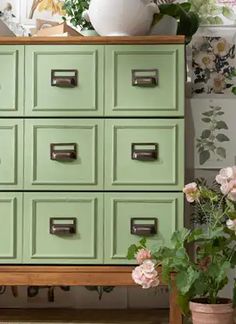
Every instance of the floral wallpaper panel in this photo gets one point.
(213, 67)
(214, 132)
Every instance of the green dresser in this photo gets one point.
(91, 149)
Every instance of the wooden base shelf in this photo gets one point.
(78, 276)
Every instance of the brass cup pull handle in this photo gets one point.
(144, 151)
(64, 78)
(145, 78)
(62, 226)
(63, 152)
(139, 227)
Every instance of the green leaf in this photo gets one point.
(232, 215)
(205, 133)
(206, 120)
(228, 13)
(195, 235)
(179, 237)
(204, 156)
(233, 90)
(143, 242)
(185, 280)
(221, 152)
(208, 113)
(222, 138)
(221, 125)
(132, 250)
(183, 302)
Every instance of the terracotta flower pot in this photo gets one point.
(203, 313)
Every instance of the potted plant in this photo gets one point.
(74, 10)
(199, 278)
(187, 20)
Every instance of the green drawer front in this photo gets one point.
(125, 138)
(83, 246)
(85, 98)
(11, 156)
(11, 80)
(83, 172)
(10, 227)
(166, 209)
(145, 80)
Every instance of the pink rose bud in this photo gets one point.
(142, 255)
(191, 191)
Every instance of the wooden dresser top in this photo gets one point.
(109, 40)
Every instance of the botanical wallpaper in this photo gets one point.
(213, 67)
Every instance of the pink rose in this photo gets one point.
(226, 174)
(142, 255)
(146, 275)
(191, 191)
(225, 187)
(232, 190)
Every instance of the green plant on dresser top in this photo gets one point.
(92, 149)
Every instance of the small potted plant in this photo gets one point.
(187, 21)
(74, 10)
(199, 277)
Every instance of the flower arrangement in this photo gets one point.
(213, 239)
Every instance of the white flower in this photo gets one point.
(205, 60)
(232, 190)
(231, 224)
(217, 82)
(220, 47)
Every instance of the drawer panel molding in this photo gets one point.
(145, 81)
(83, 171)
(11, 154)
(83, 245)
(11, 227)
(164, 211)
(11, 80)
(157, 163)
(46, 97)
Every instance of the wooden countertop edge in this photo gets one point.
(96, 40)
(67, 275)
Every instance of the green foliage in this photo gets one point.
(74, 10)
(204, 273)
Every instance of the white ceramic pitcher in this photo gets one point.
(121, 17)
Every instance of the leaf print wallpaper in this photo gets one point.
(214, 132)
(213, 67)
(212, 138)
